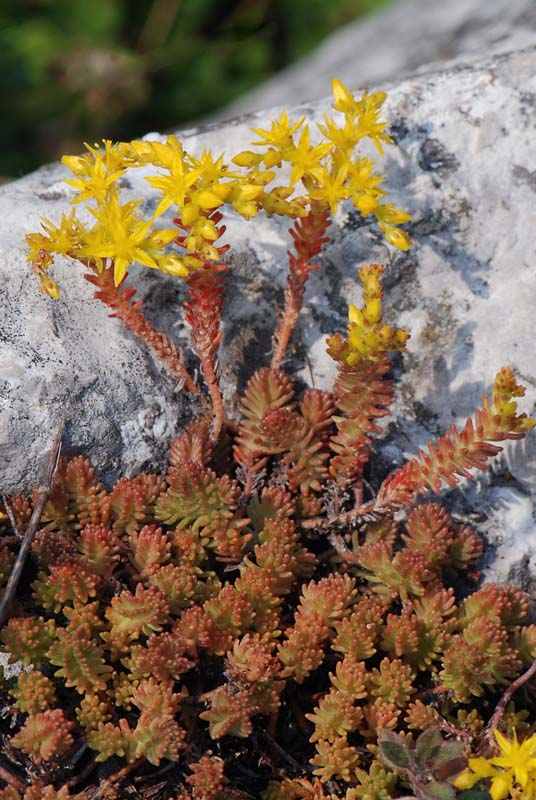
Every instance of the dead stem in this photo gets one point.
(43, 492)
(496, 717)
(115, 778)
(11, 516)
(11, 779)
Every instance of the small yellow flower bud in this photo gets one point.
(205, 198)
(189, 214)
(366, 203)
(209, 252)
(246, 210)
(373, 310)
(173, 265)
(50, 287)
(191, 262)
(206, 228)
(247, 191)
(272, 158)
(397, 238)
(191, 243)
(466, 780)
(247, 158)
(377, 98)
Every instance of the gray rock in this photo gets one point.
(406, 37)
(464, 165)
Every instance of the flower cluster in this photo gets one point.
(197, 188)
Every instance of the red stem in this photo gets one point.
(203, 314)
(308, 235)
(134, 320)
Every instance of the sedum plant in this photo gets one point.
(258, 620)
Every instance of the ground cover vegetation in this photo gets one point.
(259, 620)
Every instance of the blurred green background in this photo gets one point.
(78, 70)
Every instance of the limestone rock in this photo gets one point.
(464, 165)
(406, 37)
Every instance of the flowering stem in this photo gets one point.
(308, 235)
(135, 321)
(203, 314)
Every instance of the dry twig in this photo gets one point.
(9, 512)
(43, 492)
(496, 717)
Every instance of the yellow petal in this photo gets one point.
(466, 780)
(504, 743)
(355, 315)
(341, 95)
(120, 270)
(500, 786)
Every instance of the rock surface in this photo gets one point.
(464, 165)
(408, 36)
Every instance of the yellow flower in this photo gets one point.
(519, 759)
(369, 125)
(128, 237)
(363, 114)
(211, 169)
(63, 239)
(280, 134)
(173, 186)
(98, 170)
(305, 159)
(159, 154)
(517, 764)
(344, 138)
(332, 187)
(362, 180)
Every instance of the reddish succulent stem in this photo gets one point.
(203, 314)
(308, 235)
(134, 320)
